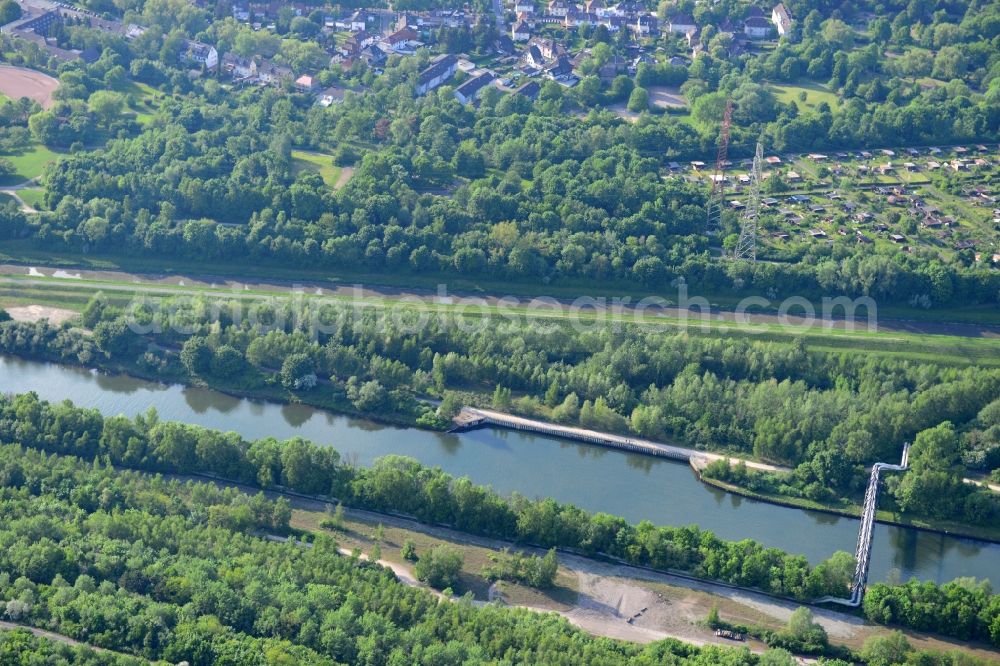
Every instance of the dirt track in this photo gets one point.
(18, 82)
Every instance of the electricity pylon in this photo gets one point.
(746, 246)
(715, 197)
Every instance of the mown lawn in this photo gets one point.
(29, 164)
(143, 101)
(320, 163)
(34, 197)
(815, 93)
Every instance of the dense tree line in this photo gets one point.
(401, 485)
(21, 647)
(140, 565)
(963, 608)
(136, 564)
(512, 189)
(394, 484)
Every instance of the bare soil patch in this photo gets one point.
(666, 97)
(18, 82)
(33, 313)
(345, 175)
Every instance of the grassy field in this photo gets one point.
(143, 101)
(943, 349)
(321, 163)
(29, 164)
(22, 252)
(815, 93)
(33, 196)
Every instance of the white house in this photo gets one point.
(558, 8)
(645, 24)
(681, 23)
(520, 32)
(756, 27)
(197, 53)
(239, 67)
(781, 19)
(358, 21)
(440, 70)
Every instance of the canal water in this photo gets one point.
(597, 479)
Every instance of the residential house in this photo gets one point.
(533, 56)
(645, 25)
(200, 54)
(358, 21)
(559, 69)
(524, 7)
(640, 59)
(520, 32)
(781, 19)
(405, 34)
(757, 27)
(373, 55)
(681, 23)
(305, 83)
(504, 46)
(550, 48)
(627, 8)
(468, 92)
(612, 23)
(575, 19)
(613, 67)
(559, 8)
(274, 75)
(238, 67)
(352, 45)
(529, 90)
(441, 69)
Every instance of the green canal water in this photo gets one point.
(633, 486)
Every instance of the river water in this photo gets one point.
(597, 479)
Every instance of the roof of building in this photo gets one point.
(472, 87)
(438, 66)
(529, 90)
(782, 13)
(559, 67)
